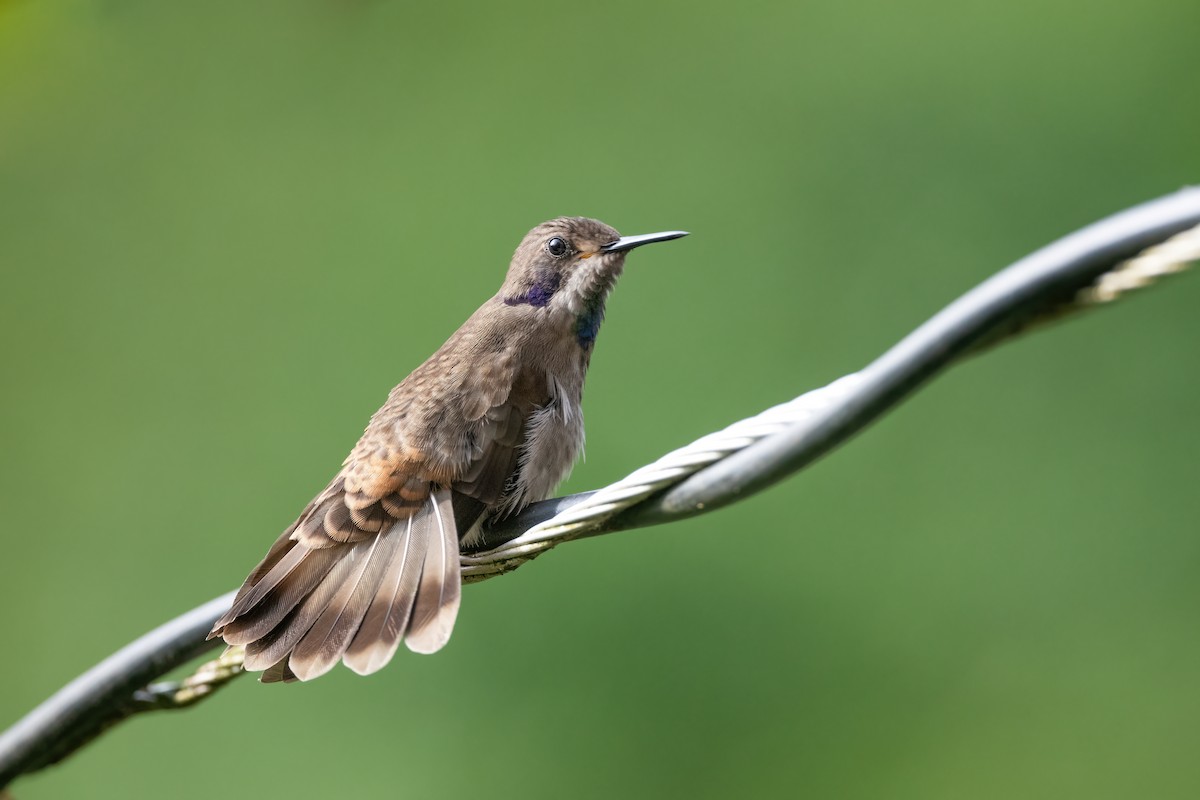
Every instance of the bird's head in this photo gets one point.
(570, 264)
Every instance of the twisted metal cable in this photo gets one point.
(1172, 256)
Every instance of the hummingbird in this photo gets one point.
(488, 424)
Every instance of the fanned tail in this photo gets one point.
(305, 608)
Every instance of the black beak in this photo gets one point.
(630, 242)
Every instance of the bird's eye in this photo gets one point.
(557, 247)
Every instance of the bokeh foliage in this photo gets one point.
(226, 229)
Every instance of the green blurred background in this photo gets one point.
(227, 229)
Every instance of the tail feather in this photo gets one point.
(387, 617)
(287, 584)
(279, 672)
(440, 589)
(283, 547)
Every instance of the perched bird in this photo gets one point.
(490, 423)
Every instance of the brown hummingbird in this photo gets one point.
(490, 423)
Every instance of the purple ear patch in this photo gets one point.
(539, 294)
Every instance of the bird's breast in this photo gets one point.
(553, 440)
